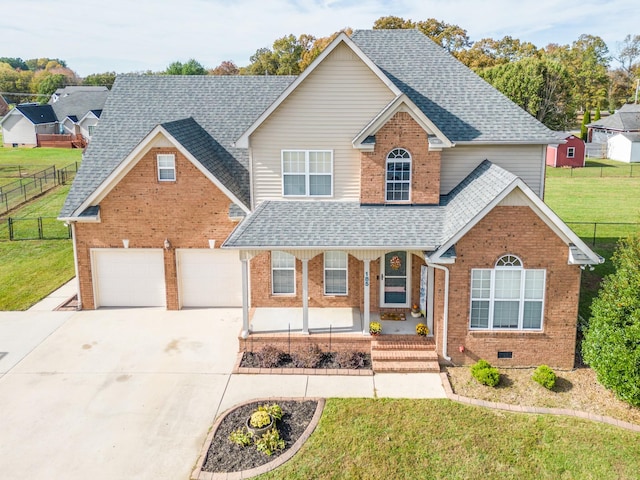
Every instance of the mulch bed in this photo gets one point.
(226, 456)
(329, 360)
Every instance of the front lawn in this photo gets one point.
(433, 439)
(44, 157)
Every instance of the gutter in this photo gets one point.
(446, 309)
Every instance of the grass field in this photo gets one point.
(39, 157)
(433, 439)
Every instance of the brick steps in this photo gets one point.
(404, 354)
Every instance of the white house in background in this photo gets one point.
(624, 147)
(88, 123)
(21, 125)
(66, 91)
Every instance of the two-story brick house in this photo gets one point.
(387, 174)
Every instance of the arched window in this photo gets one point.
(398, 179)
(507, 297)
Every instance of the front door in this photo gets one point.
(395, 280)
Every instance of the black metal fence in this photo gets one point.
(16, 193)
(34, 228)
(603, 232)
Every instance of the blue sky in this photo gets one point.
(140, 35)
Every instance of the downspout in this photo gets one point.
(445, 316)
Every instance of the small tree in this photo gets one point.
(612, 341)
(586, 118)
(596, 117)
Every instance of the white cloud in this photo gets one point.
(124, 35)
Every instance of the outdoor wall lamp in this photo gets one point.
(167, 244)
(212, 243)
(461, 348)
(125, 242)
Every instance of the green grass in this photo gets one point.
(40, 157)
(30, 270)
(595, 167)
(433, 439)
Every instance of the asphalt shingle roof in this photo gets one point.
(331, 224)
(79, 103)
(625, 119)
(38, 114)
(224, 106)
(461, 104)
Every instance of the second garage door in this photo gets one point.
(209, 278)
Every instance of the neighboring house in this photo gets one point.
(624, 147)
(384, 175)
(24, 123)
(567, 154)
(63, 92)
(625, 120)
(67, 122)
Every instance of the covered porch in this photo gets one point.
(324, 320)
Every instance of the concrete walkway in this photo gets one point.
(131, 393)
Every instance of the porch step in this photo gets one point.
(404, 354)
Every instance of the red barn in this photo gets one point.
(568, 154)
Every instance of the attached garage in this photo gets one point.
(128, 277)
(209, 277)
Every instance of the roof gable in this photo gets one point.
(627, 118)
(37, 114)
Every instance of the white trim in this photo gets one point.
(75, 264)
(538, 206)
(243, 141)
(401, 103)
(166, 156)
(408, 272)
(571, 150)
(134, 157)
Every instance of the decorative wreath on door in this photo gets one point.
(395, 262)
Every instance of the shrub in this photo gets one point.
(375, 328)
(351, 359)
(270, 442)
(273, 409)
(241, 437)
(611, 344)
(545, 376)
(308, 357)
(259, 419)
(484, 373)
(270, 356)
(422, 330)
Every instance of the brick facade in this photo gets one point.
(188, 212)
(401, 131)
(517, 231)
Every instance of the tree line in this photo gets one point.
(552, 83)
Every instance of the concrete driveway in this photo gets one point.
(122, 393)
(131, 393)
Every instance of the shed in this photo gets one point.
(624, 147)
(570, 153)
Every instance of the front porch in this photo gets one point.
(324, 320)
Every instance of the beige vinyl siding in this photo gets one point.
(525, 161)
(327, 110)
(17, 129)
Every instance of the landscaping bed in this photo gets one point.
(226, 456)
(312, 357)
(576, 389)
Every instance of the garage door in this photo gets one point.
(209, 278)
(129, 277)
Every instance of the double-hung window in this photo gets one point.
(398, 177)
(307, 173)
(571, 152)
(335, 273)
(507, 297)
(283, 273)
(166, 167)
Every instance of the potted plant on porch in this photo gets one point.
(375, 328)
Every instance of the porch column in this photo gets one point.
(367, 283)
(244, 259)
(305, 296)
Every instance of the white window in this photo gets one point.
(507, 297)
(307, 173)
(167, 167)
(571, 152)
(91, 129)
(283, 273)
(398, 181)
(335, 273)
